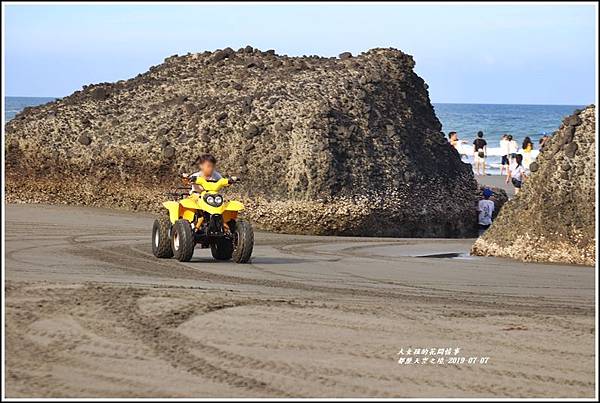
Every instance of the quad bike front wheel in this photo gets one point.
(161, 244)
(222, 249)
(243, 242)
(182, 241)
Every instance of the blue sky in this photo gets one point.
(536, 54)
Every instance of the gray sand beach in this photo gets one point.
(90, 312)
(496, 181)
(283, 201)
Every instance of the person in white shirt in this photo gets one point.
(513, 147)
(485, 208)
(516, 173)
(504, 152)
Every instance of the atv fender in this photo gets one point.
(233, 206)
(185, 209)
(189, 203)
(173, 208)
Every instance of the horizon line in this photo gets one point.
(433, 102)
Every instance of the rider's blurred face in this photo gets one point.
(207, 168)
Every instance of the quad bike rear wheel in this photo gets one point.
(161, 244)
(243, 242)
(182, 240)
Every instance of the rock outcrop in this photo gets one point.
(347, 145)
(553, 218)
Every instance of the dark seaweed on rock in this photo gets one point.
(347, 145)
(553, 218)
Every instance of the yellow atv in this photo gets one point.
(206, 219)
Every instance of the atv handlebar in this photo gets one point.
(179, 192)
(189, 179)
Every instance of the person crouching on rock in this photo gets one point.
(206, 165)
(516, 173)
(486, 210)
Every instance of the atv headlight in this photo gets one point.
(214, 200)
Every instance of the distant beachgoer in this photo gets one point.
(455, 142)
(527, 149)
(513, 147)
(516, 173)
(504, 151)
(543, 141)
(479, 153)
(453, 139)
(485, 208)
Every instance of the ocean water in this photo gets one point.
(13, 105)
(465, 119)
(494, 120)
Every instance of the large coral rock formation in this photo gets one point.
(347, 145)
(553, 218)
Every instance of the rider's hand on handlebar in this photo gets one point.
(186, 179)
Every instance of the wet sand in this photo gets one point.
(91, 313)
(496, 181)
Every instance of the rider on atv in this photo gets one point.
(206, 163)
(203, 217)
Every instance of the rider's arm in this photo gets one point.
(231, 180)
(192, 180)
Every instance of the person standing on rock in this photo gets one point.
(504, 152)
(479, 153)
(543, 140)
(486, 210)
(516, 173)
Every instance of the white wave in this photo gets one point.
(467, 149)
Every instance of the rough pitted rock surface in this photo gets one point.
(552, 218)
(347, 145)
